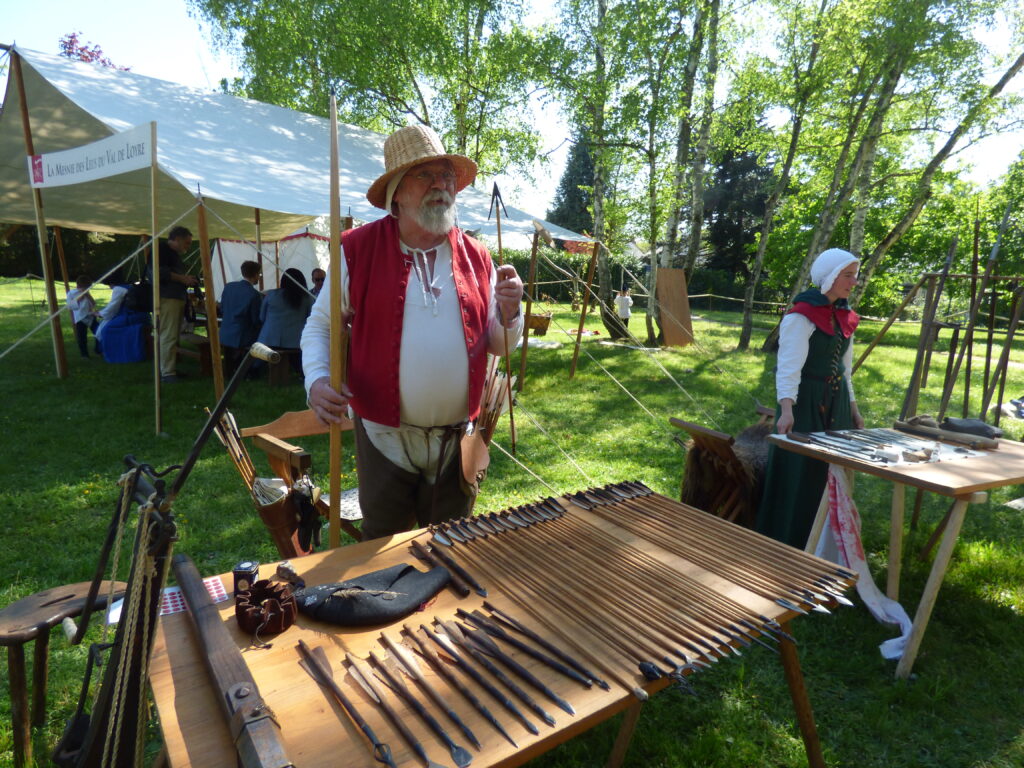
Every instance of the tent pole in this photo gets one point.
(259, 249)
(59, 355)
(60, 257)
(212, 329)
(154, 255)
(529, 307)
(220, 258)
(583, 311)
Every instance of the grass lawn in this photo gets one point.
(63, 442)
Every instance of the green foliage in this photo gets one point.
(463, 68)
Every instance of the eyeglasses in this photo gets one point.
(318, 279)
(430, 177)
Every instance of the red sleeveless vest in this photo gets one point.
(378, 274)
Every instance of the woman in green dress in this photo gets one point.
(814, 392)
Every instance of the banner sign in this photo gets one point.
(120, 153)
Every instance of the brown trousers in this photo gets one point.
(393, 499)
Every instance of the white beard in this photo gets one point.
(436, 219)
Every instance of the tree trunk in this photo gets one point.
(600, 156)
(803, 88)
(684, 131)
(924, 185)
(701, 155)
(839, 196)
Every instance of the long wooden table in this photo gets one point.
(966, 480)
(315, 729)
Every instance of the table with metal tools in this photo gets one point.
(963, 471)
(568, 612)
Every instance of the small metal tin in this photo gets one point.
(246, 574)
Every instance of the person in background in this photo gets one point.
(283, 315)
(814, 389)
(318, 276)
(426, 305)
(240, 310)
(623, 302)
(82, 306)
(174, 284)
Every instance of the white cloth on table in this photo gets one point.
(844, 547)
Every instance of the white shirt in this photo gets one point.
(794, 339)
(622, 304)
(82, 307)
(433, 370)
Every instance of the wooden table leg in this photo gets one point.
(931, 588)
(40, 669)
(801, 702)
(629, 721)
(22, 730)
(819, 522)
(892, 587)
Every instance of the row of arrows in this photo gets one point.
(448, 646)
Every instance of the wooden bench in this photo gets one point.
(32, 618)
(199, 349)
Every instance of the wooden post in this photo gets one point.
(212, 328)
(583, 311)
(339, 338)
(892, 586)
(914, 386)
(801, 701)
(629, 723)
(259, 251)
(60, 258)
(154, 246)
(59, 355)
(999, 376)
(529, 308)
(220, 258)
(888, 323)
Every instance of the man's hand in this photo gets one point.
(508, 292)
(328, 405)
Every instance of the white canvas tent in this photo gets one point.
(304, 251)
(242, 155)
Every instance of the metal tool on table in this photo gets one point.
(394, 681)
(486, 645)
(406, 659)
(546, 644)
(317, 665)
(495, 630)
(457, 582)
(363, 676)
(448, 646)
(455, 633)
(454, 567)
(442, 669)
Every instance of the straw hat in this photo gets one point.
(411, 146)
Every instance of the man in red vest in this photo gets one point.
(425, 304)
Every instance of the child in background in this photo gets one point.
(82, 306)
(623, 302)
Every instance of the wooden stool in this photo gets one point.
(32, 618)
